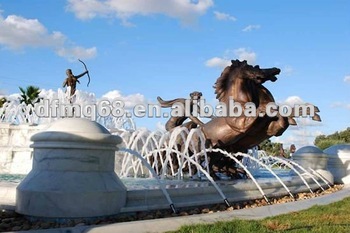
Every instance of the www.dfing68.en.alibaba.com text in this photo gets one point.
(200, 108)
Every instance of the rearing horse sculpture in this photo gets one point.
(243, 84)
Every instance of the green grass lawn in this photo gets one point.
(334, 217)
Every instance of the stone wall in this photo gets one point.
(15, 154)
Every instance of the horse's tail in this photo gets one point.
(169, 103)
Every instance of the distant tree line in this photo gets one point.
(323, 141)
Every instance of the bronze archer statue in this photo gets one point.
(72, 80)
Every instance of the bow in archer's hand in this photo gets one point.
(85, 70)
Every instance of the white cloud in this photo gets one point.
(224, 16)
(240, 54)
(299, 138)
(307, 133)
(185, 10)
(74, 53)
(244, 54)
(250, 28)
(340, 105)
(130, 100)
(292, 100)
(217, 62)
(347, 79)
(18, 32)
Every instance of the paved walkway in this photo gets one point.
(170, 224)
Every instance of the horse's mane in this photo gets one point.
(222, 82)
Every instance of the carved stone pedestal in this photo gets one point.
(339, 162)
(313, 159)
(73, 173)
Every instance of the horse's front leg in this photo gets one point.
(277, 127)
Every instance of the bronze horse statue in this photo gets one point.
(243, 84)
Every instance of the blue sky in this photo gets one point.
(169, 48)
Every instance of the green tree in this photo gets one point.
(30, 95)
(325, 141)
(271, 148)
(345, 135)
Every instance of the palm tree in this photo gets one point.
(30, 95)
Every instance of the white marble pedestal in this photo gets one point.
(313, 159)
(73, 173)
(339, 162)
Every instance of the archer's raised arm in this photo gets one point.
(81, 75)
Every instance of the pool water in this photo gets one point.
(151, 183)
(13, 178)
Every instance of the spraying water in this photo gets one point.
(180, 154)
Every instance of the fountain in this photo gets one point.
(18, 122)
(73, 161)
(70, 156)
(166, 163)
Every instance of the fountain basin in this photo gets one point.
(191, 194)
(144, 194)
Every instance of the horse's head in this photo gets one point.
(255, 73)
(243, 71)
